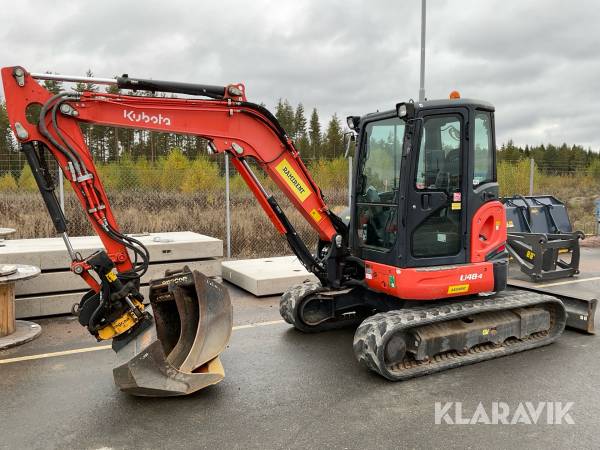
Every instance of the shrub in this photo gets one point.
(514, 177)
(173, 169)
(26, 180)
(202, 176)
(330, 173)
(8, 183)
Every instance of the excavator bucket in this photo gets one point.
(178, 353)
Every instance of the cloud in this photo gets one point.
(537, 61)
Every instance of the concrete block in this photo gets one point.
(66, 281)
(51, 254)
(49, 305)
(266, 276)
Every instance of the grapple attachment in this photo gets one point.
(178, 353)
(540, 237)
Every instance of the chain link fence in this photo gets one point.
(194, 196)
(160, 199)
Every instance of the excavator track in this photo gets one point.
(388, 342)
(292, 309)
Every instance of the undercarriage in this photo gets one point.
(414, 339)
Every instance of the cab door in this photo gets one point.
(377, 203)
(435, 207)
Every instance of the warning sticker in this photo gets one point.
(315, 215)
(509, 224)
(455, 206)
(111, 276)
(458, 288)
(294, 181)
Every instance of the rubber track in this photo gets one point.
(289, 299)
(372, 335)
(288, 308)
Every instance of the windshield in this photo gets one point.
(379, 173)
(383, 155)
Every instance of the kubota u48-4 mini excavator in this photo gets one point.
(421, 266)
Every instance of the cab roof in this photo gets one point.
(435, 104)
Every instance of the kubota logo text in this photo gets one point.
(142, 117)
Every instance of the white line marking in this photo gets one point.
(107, 347)
(560, 283)
(53, 354)
(258, 324)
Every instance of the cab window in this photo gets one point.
(439, 168)
(484, 149)
(379, 178)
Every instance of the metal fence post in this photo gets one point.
(227, 207)
(531, 171)
(349, 180)
(61, 190)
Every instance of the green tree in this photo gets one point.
(285, 115)
(301, 136)
(173, 170)
(53, 86)
(113, 136)
(314, 133)
(202, 176)
(87, 129)
(334, 138)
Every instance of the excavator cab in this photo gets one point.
(422, 172)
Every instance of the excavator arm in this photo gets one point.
(41, 120)
(178, 331)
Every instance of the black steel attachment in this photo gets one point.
(541, 238)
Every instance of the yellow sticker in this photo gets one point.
(290, 176)
(530, 255)
(458, 288)
(455, 206)
(315, 215)
(510, 224)
(485, 331)
(111, 276)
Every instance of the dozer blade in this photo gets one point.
(178, 353)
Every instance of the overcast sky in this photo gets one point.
(537, 61)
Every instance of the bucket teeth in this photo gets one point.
(179, 354)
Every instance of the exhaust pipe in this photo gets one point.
(178, 354)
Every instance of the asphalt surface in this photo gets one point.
(284, 389)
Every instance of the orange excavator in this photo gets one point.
(420, 267)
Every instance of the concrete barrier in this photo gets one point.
(266, 276)
(57, 289)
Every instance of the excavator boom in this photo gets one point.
(171, 348)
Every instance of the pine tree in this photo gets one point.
(334, 138)
(285, 115)
(114, 135)
(87, 129)
(53, 86)
(314, 133)
(301, 136)
(299, 122)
